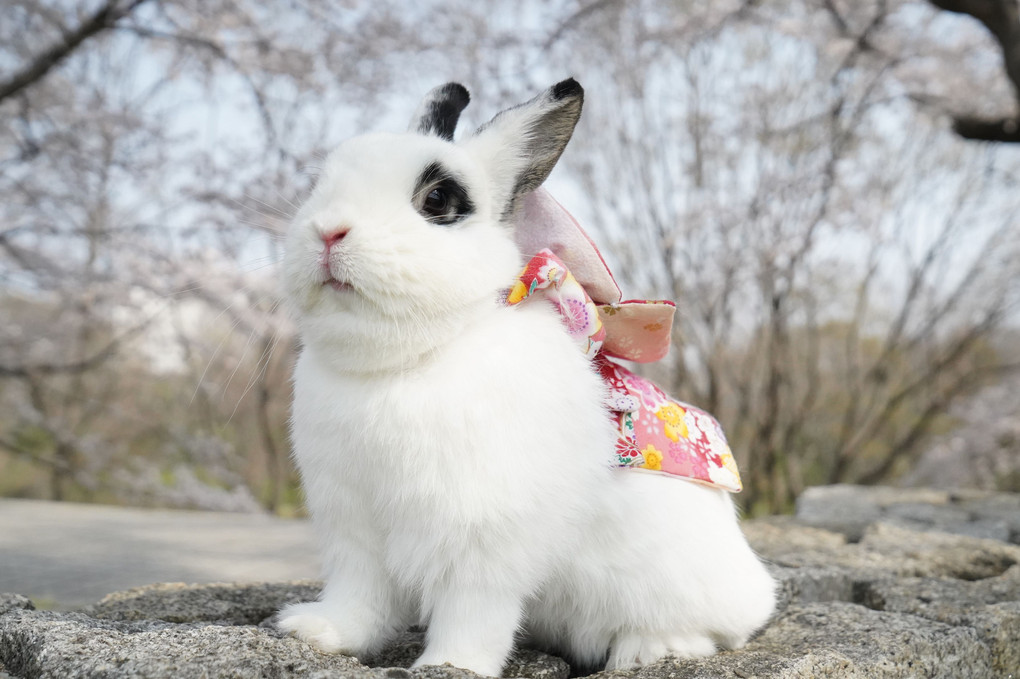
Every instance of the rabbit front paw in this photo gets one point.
(477, 661)
(316, 624)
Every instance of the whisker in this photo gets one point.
(219, 346)
(212, 358)
(262, 365)
(288, 201)
(263, 203)
(265, 228)
(240, 360)
(260, 263)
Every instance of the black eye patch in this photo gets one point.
(440, 196)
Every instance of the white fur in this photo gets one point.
(455, 452)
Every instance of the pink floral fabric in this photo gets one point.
(655, 432)
(547, 273)
(637, 330)
(658, 433)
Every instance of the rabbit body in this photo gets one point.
(455, 451)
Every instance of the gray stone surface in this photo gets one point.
(991, 607)
(231, 604)
(51, 645)
(58, 645)
(851, 509)
(883, 548)
(892, 598)
(10, 602)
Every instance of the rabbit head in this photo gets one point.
(406, 237)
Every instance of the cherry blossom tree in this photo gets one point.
(792, 173)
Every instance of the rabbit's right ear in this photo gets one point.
(521, 145)
(439, 111)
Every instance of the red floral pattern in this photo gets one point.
(547, 273)
(665, 435)
(656, 433)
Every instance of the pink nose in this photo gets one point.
(333, 237)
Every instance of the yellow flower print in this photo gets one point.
(728, 463)
(673, 417)
(653, 458)
(517, 293)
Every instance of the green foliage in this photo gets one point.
(33, 440)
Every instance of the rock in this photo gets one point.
(990, 606)
(931, 554)
(894, 644)
(177, 602)
(877, 592)
(48, 645)
(525, 662)
(829, 640)
(167, 631)
(11, 602)
(883, 548)
(812, 584)
(851, 509)
(779, 535)
(993, 508)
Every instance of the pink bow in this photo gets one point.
(655, 432)
(636, 330)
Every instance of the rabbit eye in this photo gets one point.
(440, 197)
(436, 203)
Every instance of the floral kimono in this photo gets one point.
(656, 433)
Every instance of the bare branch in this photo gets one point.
(100, 20)
(907, 445)
(35, 456)
(74, 367)
(576, 18)
(220, 53)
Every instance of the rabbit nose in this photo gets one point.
(333, 237)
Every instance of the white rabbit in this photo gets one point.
(455, 451)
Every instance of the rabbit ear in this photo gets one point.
(439, 111)
(522, 144)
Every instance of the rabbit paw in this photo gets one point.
(634, 649)
(313, 624)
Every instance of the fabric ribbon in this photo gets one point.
(546, 272)
(655, 432)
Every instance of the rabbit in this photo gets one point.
(454, 450)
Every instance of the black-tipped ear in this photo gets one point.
(531, 138)
(440, 110)
(567, 88)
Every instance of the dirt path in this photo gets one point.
(66, 555)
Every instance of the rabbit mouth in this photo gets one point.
(338, 285)
(333, 272)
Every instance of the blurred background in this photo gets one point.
(829, 189)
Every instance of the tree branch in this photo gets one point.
(73, 367)
(220, 53)
(907, 445)
(100, 20)
(48, 460)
